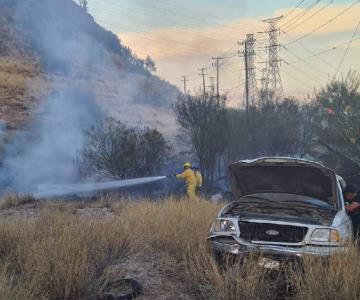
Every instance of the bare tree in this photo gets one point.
(203, 121)
(115, 150)
(83, 4)
(275, 129)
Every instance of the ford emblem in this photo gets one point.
(272, 232)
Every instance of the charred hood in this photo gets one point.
(284, 175)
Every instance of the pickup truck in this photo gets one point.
(283, 207)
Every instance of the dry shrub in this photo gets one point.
(9, 288)
(175, 227)
(178, 230)
(59, 256)
(336, 277)
(15, 200)
(232, 279)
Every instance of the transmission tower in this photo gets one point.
(251, 89)
(275, 87)
(264, 93)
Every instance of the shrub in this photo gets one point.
(116, 150)
(59, 255)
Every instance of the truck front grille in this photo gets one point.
(268, 232)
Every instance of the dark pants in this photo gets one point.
(355, 218)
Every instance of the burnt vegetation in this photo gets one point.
(326, 128)
(115, 150)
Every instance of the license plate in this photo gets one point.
(268, 263)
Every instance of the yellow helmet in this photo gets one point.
(187, 165)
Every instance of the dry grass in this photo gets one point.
(334, 278)
(21, 86)
(61, 254)
(15, 200)
(57, 255)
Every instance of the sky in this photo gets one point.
(183, 36)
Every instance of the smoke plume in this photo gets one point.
(90, 75)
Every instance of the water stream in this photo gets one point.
(46, 190)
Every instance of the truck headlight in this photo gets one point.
(224, 226)
(325, 235)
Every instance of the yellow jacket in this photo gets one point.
(199, 179)
(189, 176)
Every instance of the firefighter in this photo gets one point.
(199, 178)
(352, 199)
(189, 176)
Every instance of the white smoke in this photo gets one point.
(46, 152)
(86, 85)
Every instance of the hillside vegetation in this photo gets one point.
(46, 46)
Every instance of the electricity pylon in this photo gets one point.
(274, 81)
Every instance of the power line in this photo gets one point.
(298, 57)
(297, 79)
(301, 14)
(291, 11)
(301, 71)
(324, 24)
(322, 52)
(172, 12)
(347, 49)
(311, 52)
(310, 17)
(166, 21)
(213, 17)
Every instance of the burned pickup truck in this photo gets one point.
(283, 207)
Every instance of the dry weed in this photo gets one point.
(329, 278)
(14, 200)
(59, 254)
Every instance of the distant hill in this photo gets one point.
(50, 45)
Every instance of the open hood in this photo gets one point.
(284, 175)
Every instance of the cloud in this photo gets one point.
(345, 22)
(179, 51)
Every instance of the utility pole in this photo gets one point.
(184, 80)
(273, 69)
(202, 70)
(251, 89)
(217, 64)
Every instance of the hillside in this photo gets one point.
(60, 73)
(47, 46)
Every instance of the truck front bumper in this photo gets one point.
(232, 246)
